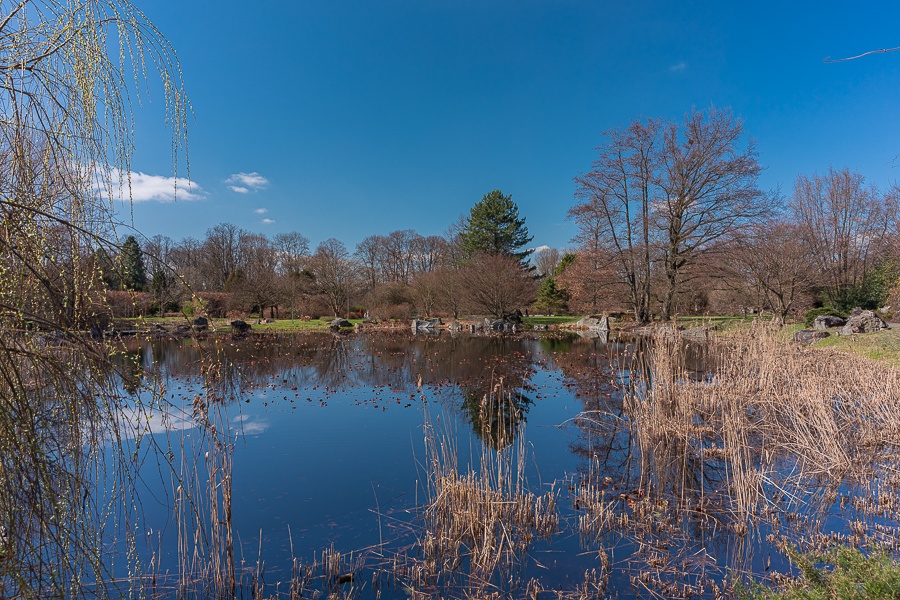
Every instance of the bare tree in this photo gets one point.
(770, 260)
(399, 255)
(220, 255)
(844, 224)
(292, 249)
(496, 284)
(428, 289)
(593, 284)
(369, 254)
(336, 275)
(707, 189)
(428, 252)
(256, 281)
(613, 217)
(545, 261)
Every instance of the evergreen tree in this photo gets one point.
(550, 298)
(134, 276)
(494, 227)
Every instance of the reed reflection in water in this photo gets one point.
(676, 466)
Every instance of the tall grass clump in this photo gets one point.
(759, 416)
(477, 522)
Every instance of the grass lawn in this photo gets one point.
(289, 326)
(544, 320)
(881, 345)
(279, 326)
(722, 323)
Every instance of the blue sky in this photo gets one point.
(359, 118)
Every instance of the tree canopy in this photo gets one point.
(494, 227)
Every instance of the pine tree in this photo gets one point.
(550, 298)
(494, 227)
(134, 276)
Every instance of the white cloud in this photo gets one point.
(261, 211)
(678, 67)
(267, 221)
(244, 183)
(148, 188)
(540, 249)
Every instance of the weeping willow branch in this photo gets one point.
(70, 73)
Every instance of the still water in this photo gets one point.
(325, 451)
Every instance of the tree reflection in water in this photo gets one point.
(399, 362)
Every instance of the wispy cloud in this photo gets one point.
(141, 187)
(678, 67)
(261, 211)
(267, 221)
(244, 183)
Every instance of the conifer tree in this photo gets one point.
(134, 276)
(494, 227)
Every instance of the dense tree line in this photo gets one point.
(475, 268)
(670, 220)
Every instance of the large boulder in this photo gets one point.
(425, 325)
(865, 321)
(340, 323)
(501, 326)
(514, 317)
(808, 336)
(827, 321)
(201, 323)
(600, 323)
(239, 327)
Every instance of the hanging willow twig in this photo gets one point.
(68, 74)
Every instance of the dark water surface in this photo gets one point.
(327, 452)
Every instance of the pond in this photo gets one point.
(392, 465)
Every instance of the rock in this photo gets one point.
(238, 326)
(540, 327)
(826, 321)
(699, 333)
(600, 323)
(429, 324)
(501, 325)
(455, 326)
(513, 317)
(200, 323)
(808, 336)
(339, 323)
(601, 335)
(865, 321)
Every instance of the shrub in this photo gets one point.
(215, 303)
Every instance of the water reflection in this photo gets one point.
(327, 439)
(477, 367)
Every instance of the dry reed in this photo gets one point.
(478, 523)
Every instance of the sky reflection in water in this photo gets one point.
(328, 448)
